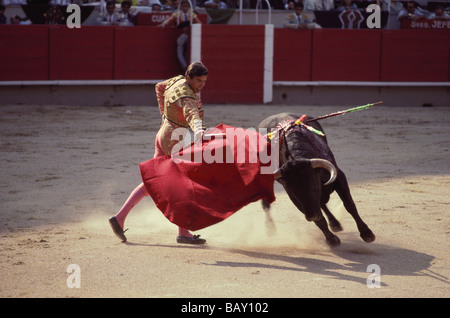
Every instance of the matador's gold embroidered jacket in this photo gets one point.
(179, 106)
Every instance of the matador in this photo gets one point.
(180, 106)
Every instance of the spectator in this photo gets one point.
(290, 5)
(439, 14)
(274, 4)
(350, 15)
(182, 18)
(234, 4)
(133, 3)
(60, 2)
(362, 4)
(54, 15)
(15, 19)
(2, 14)
(156, 6)
(184, 14)
(182, 44)
(18, 20)
(8, 2)
(347, 5)
(319, 5)
(215, 4)
(126, 18)
(110, 17)
(297, 19)
(393, 6)
(171, 4)
(378, 2)
(410, 13)
(164, 3)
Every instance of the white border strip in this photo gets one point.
(268, 63)
(266, 82)
(342, 83)
(79, 82)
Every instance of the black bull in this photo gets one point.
(309, 174)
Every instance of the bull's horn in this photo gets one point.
(277, 174)
(325, 164)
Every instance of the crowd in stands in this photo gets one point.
(119, 12)
(309, 5)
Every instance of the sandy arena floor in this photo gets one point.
(66, 170)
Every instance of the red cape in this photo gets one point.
(197, 193)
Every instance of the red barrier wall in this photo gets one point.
(416, 55)
(23, 52)
(234, 56)
(292, 55)
(145, 53)
(90, 53)
(81, 54)
(346, 55)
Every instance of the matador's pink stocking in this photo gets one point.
(135, 197)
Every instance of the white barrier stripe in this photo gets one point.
(275, 83)
(79, 82)
(268, 63)
(196, 42)
(357, 83)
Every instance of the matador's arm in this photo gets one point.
(193, 115)
(160, 88)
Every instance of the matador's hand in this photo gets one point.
(198, 135)
(199, 130)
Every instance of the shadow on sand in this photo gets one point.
(392, 260)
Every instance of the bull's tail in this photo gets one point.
(265, 205)
(270, 225)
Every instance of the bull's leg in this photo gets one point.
(331, 239)
(343, 191)
(335, 225)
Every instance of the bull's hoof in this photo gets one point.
(368, 236)
(336, 227)
(333, 241)
(314, 218)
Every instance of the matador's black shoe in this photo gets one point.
(190, 240)
(117, 229)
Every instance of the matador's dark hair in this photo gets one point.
(196, 69)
